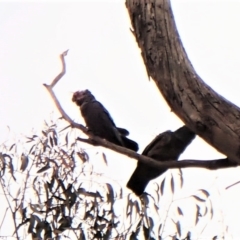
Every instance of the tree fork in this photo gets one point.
(207, 113)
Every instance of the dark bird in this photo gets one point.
(99, 121)
(166, 146)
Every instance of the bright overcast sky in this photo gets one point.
(104, 57)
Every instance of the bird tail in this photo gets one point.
(123, 131)
(128, 143)
(137, 183)
(142, 175)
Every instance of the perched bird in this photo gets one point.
(99, 121)
(166, 146)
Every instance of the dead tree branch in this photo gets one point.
(210, 164)
(96, 141)
(52, 94)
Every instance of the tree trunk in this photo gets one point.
(207, 113)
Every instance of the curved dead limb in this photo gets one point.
(62, 73)
(58, 105)
(203, 110)
(96, 141)
(210, 164)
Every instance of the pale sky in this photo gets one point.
(104, 57)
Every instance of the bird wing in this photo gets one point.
(106, 113)
(105, 121)
(159, 140)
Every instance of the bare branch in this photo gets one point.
(96, 141)
(58, 105)
(209, 164)
(62, 73)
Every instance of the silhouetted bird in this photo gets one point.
(166, 146)
(99, 121)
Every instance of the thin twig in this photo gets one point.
(10, 207)
(232, 185)
(3, 218)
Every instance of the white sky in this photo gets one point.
(104, 58)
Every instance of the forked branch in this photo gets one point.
(96, 141)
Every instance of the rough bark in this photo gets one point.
(207, 113)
